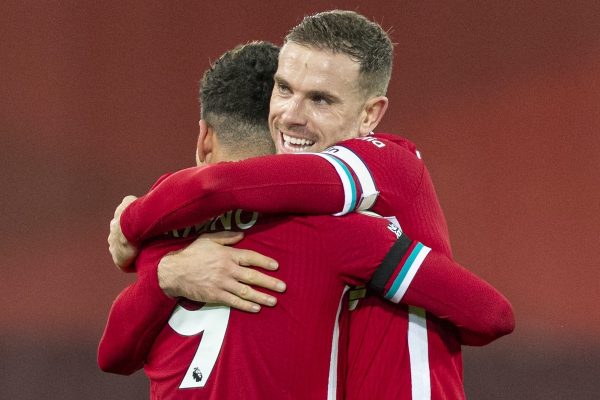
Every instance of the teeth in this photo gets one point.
(297, 141)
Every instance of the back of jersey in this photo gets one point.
(285, 352)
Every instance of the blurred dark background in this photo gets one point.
(503, 99)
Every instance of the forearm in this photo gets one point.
(136, 318)
(413, 274)
(451, 292)
(264, 184)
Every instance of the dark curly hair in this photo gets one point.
(235, 93)
(350, 33)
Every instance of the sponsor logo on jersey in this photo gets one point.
(396, 229)
(196, 374)
(373, 140)
(231, 220)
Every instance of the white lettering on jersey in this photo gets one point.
(224, 222)
(373, 140)
(245, 225)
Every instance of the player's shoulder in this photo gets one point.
(367, 221)
(351, 225)
(160, 179)
(395, 139)
(399, 141)
(385, 142)
(175, 174)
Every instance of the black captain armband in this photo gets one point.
(390, 263)
(398, 268)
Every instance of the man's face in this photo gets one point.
(316, 101)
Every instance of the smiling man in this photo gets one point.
(318, 100)
(330, 87)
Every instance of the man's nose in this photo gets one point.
(293, 112)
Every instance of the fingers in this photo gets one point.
(230, 293)
(209, 272)
(253, 277)
(121, 251)
(236, 302)
(254, 259)
(234, 290)
(241, 256)
(248, 293)
(127, 200)
(243, 297)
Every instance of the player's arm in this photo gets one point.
(264, 184)
(135, 320)
(409, 272)
(336, 181)
(448, 290)
(207, 271)
(415, 275)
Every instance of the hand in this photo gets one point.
(122, 252)
(210, 272)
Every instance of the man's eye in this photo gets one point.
(320, 100)
(283, 89)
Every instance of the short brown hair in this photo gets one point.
(350, 33)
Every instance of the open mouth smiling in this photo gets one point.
(294, 144)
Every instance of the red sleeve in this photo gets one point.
(136, 318)
(265, 184)
(413, 274)
(405, 271)
(361, 244)
(451, 292)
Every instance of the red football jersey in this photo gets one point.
(286, 352)
(394, 352)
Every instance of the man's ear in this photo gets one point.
(205, 143)
(373, 112)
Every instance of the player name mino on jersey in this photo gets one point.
(231, 220)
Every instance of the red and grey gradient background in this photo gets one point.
(99, 98)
